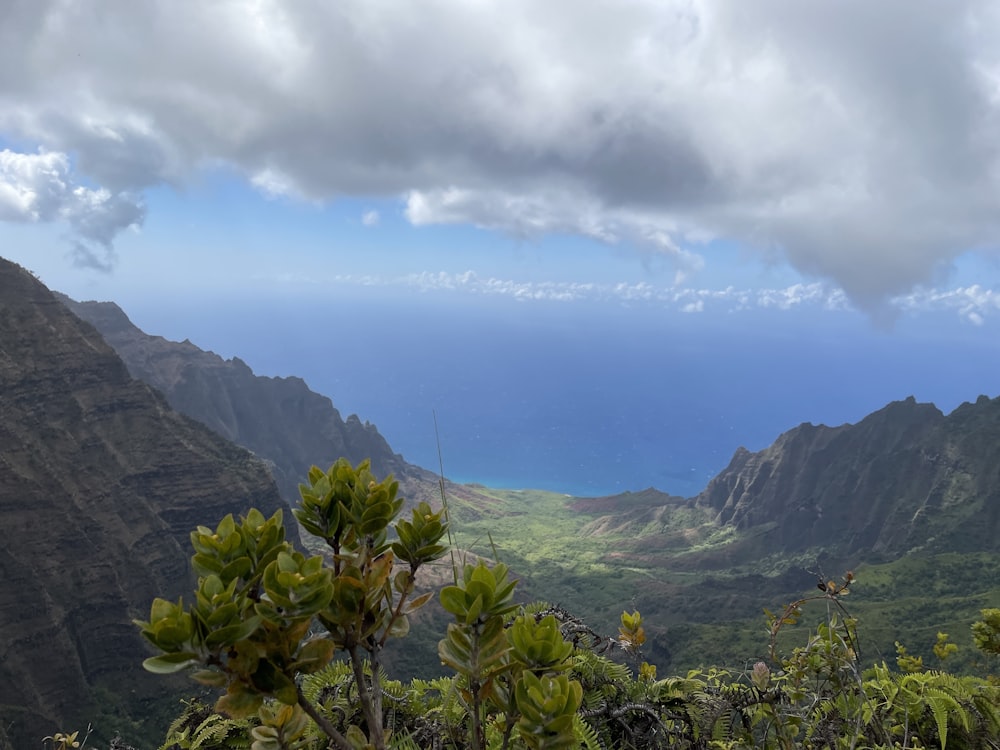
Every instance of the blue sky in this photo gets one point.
(238, 238)
(219, 235)
(828, 166)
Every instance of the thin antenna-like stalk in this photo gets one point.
(444, 498)
(493, 546)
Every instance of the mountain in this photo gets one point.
(101, 483)
(903, 478)
(906, 477)
(279, 419)
(908, 497)
(291, 428)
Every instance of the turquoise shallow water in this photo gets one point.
(596, 400)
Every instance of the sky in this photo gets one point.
(696, 157)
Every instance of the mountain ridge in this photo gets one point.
(100, 485)
(868, 486)
(877, 485)
(278, 418)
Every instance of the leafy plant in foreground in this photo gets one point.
(265, 615)
(267, 623)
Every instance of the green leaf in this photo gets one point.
(400, 627)
(402, 580)
(419, 601)
(380, 510)
(239, 702)
(430, 552)
(454, 657)
(284, 689)
(286, 563)
(356, 738)
(233, 633)
(269, 679)
(161, 609)
(205, 564)
(474, 609)
(238, 568)
(210, 677)
(222, 616)
(226, 527)
(170, 663)
(453, 600)
(315, 654)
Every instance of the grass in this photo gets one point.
(702, 600)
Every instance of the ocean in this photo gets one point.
(589, 399)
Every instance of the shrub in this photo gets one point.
(294, 642)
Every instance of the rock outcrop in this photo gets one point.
(101, 483)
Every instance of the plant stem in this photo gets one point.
(403, 597)
(478, 736)
(371, 705)
(444, 500)
(322, 722)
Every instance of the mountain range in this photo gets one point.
(114, 444)
(905, 478)
(907, 481)
(279, 419)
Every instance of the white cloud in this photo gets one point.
(855, 139)
(798, 294)
(370, 218)
(32, 186)
(273, 183)
(40, 188)
(973, 304)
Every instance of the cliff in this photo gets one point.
(100, 485)
(279, 419)
(904, 477)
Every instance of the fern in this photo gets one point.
(585, 734)
(403, 742)
(199, 728)
(937, 707)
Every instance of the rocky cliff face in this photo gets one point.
(279, 419)
(100, 485)
(903, 477)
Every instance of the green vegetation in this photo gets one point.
(534, 533)
(702, 595)
(259, 604)
(296, 643)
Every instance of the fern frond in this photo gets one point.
(403, 742)
(200, 728)
(585, 734)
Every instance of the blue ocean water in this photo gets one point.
(591, 400)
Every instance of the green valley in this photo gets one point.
(702, 602)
